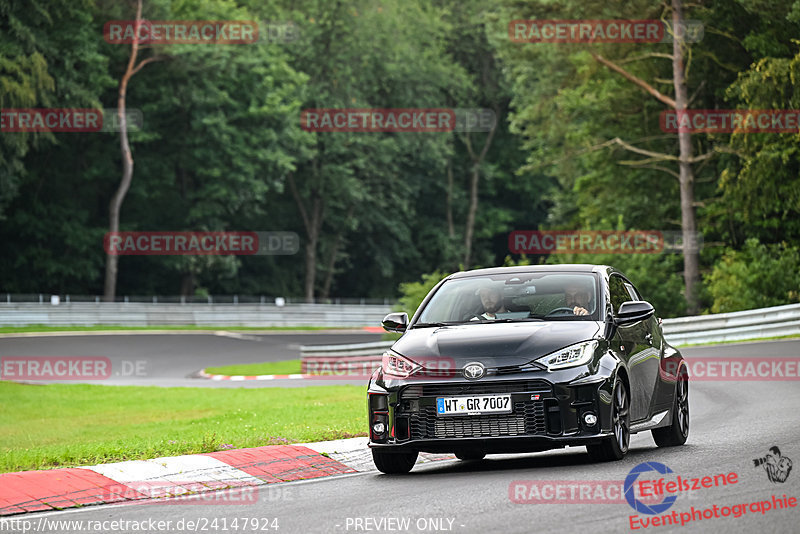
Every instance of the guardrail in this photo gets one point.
(343, 359)
(148, 314)
(735, 326)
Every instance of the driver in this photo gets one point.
(492, 302)
(577, 297)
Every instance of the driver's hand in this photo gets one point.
(577, 310)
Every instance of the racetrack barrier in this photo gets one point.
(735, 326)
(157, 314)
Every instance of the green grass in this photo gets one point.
(285, 367)
(103, 328)
(63, 425)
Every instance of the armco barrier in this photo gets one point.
(148, 314)
(764, 322)
(341, 359)
(735, 326)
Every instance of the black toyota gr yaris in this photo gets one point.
(521, 359)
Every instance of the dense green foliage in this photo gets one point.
(755, 277)
(222, 147)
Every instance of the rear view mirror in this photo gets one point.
(633, 311)
(395, 322)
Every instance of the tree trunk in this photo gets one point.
(477, 159)
(312, 223)
(114, 207)
(471, 212)
(188, 284)
(331, 268)
(311, 267)
(691, 255)
(326, 285)
(112, 260)
(451, 231)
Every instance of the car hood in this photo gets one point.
(493, 344)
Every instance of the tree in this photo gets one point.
(112, 260)
(361, 55)
(49, 57)
(685, 159)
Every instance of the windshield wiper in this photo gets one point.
(518, 320)
(425, 325)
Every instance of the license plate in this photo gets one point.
(474, 405)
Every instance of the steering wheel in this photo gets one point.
(563, 310)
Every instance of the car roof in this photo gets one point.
(567, 267)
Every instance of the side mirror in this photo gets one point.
(633, 311)
(395, 322)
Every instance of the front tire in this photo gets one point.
(676, 433)
(394, 463)
(615, 447)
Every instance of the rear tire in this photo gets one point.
(470, 456)
(394, 463)
(615, 447)
(676, 433)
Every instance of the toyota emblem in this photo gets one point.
(474, 371)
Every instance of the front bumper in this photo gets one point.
(546, 414)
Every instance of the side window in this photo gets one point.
(632, 292)
(619, 293)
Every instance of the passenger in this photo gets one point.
(492, 302)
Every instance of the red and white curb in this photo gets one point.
(237, 378)
(187, 476)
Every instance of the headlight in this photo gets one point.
(572, 356)
(399, 366)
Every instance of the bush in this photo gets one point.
(758, 276)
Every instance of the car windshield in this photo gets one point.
(513, 297)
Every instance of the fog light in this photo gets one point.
(379, 428)
(590, 419)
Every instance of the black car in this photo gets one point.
(521, 359)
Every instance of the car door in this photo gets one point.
(636, 346)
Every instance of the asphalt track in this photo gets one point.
(173, 360)
(732, 423)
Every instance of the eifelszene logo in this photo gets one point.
(777, 467)
(638, 505)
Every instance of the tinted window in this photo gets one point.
(514, 296)
(618, 292)
(633, 292)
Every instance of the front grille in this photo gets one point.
(466, 388)
(527, 419)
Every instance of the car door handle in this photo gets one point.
(649, 338)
